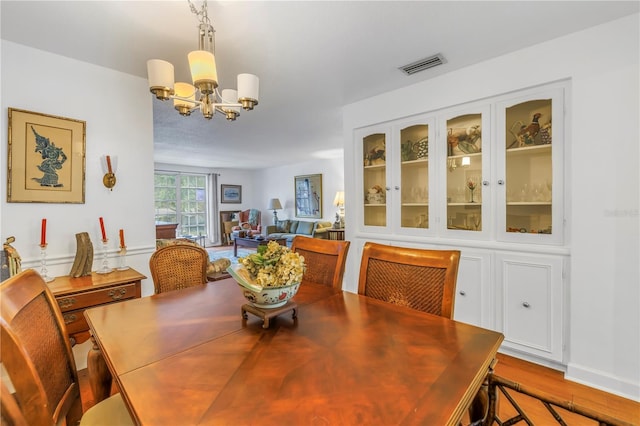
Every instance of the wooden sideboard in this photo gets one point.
(166, 230)
(74, 295)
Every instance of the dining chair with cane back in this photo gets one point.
(10, 413)
(420, 279)
(37, 356)
(324, 259)
(178, 266)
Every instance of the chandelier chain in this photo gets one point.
(202, 14)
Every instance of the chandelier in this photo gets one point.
(203, 94)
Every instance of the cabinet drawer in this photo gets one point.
(75, 321)
(97, 297)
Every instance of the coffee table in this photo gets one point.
(252, 242)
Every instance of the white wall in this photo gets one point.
(277, 182)
(602, 180)
(118, 114)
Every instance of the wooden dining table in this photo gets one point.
(188, 357)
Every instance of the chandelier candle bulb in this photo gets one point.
(43, 233)
(102, 230)
(203, 70)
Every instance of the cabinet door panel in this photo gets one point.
(472, 288)
(464, 139)
(532, 304)
(373, 186)
(530, 139)
(412, 176)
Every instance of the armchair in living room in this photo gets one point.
(249, 223)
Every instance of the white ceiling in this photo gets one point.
(312, 58)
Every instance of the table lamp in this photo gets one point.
(274, 204)
(339, 201)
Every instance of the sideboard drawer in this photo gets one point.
(97, 297)
(77, 294)
(75, 321)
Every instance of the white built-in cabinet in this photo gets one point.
(486, 177)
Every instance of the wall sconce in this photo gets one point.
(274, 204)
(109, 166)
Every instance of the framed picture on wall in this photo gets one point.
(308, 195)
(231, 194)
(46, 162)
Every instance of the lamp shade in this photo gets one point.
(274, 204)
(184, 90)
(160, 77)
(339, 200)
(230, 96)
(203, 69)
(248, 88)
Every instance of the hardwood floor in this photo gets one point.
(531, 375)
(553, 382)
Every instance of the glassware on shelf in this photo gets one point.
(472, 184)
(477, 221)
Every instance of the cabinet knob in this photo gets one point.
(526, 304)
(500, 182)
(485, 182)
(387, 188)
(396, 187)
(463, 293)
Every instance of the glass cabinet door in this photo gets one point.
(464, 171)
(414, 177)
(374, 179)
(529, 178)
(532, 154)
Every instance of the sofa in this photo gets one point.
(289, 229)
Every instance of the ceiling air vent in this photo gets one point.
(423, 64)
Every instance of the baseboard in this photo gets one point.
(603, 381)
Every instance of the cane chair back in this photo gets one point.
(178, 266)
(37, 356)
(325, 259)
(420, 279)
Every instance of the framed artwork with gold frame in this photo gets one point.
(46, 161)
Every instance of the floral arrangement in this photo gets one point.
(274, 265)
(471, 184)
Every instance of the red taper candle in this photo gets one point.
(104, 234)
(122, 238)
(43, 233)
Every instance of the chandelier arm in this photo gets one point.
(215, 104)
(191, 101)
